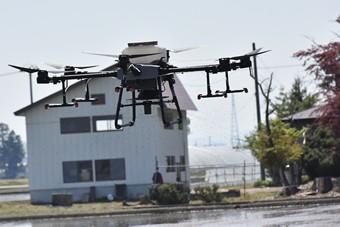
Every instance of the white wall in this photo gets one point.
(139, 145)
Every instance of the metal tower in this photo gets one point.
(235, 137)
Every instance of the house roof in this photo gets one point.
(184, 99)
(309, 114)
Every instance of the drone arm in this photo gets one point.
(208, 68)
(43, 77)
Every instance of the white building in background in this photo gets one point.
(222, 165)
(71, 150)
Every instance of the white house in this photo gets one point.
(73, 150)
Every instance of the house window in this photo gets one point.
(100, 99)
(105, 123)
(171, 162)
(75, 125)
(182, 163)
(77, 171)
(169, 116)
(110, 169)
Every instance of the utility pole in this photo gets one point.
(258, 109)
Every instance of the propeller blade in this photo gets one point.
(252, 53)
(117, 56)
(56, 66)
(257, 52)
(34, 69)
(59, 66)
(184, 49)
(104, 55)
(85, 66)
(23, 69)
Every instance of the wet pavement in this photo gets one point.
(286, 216)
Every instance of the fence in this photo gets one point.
(226, 175)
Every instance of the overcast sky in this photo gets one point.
(35, 32)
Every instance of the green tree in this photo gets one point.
(295, 100)
(320, 156)
(11, 151)
(322, 149)
(276, 148)
(290, 102)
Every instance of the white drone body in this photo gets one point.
(154, 53)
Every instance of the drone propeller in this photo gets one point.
(117, 56)
(180, 50)
(250, 54)
(32, 69)
(58, 66)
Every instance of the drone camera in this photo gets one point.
(43, 77)
(245, 62)
(224, 64)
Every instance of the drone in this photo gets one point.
(143, 70)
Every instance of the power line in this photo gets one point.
(280, 66)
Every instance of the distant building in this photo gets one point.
(222, 165)
(304, 118)
(74, 150)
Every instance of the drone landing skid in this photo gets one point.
(171, 82)
(120, 105)
(147, 103)
(219, 93)
(57, 105)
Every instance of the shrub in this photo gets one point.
(166, 194)
(263, 183)
(304, 179)
(208, 194)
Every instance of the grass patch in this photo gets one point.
(253, 196)
(13, 182)
(238, 187)
(249, 197)
(25, 208)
